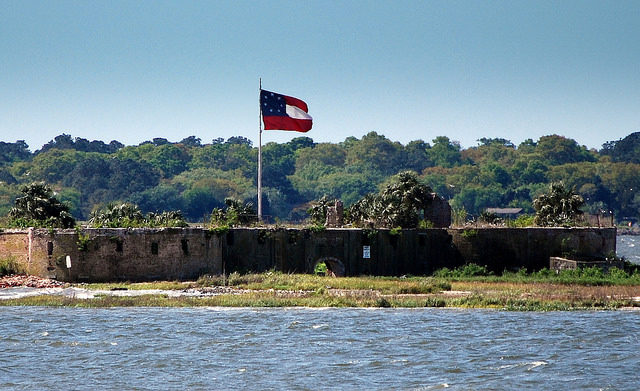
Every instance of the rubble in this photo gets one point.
(15, 280)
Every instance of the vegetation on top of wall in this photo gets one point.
(38, 207)
(318, 210)
(400, 203)
(560, 206)
(235, 213)
(127, 215)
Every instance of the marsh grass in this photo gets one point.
(581, 276)
(163, 285)
(309, 282)
(515, 292)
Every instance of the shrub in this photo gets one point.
(235, 213)
(9, 265)
(468, 270)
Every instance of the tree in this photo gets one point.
(39, 207)
(445, 153)
(624, 150)
(556, 150)
(235, 213)
(560, 206)
(377, 154)
(116, 216)
(318, 210)
(400, 203)
(11, 152)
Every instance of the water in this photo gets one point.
(628, 246)
(310, 349)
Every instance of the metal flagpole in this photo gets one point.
(260, 158)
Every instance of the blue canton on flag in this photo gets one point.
(272, 103)
(284, 112)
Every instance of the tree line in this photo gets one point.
(196, 177)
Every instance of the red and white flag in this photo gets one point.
(281, 112)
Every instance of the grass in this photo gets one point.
(542, 291)
(310, 282)
(581, 276)
(10, 265)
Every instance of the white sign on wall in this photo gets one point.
(366, 252)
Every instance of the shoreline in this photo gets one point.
(498, 295)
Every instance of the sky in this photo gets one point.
(135, 70)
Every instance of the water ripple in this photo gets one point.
(297, 349)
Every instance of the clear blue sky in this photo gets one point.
(135, 70)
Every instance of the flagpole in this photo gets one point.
(260, 157)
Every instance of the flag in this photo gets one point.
(284, 112)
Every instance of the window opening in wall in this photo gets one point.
(119, 246)
(422, 240)
(49, 248)
(185, 246)
(230, 238)
(154, 248)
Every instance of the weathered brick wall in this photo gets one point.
(187, 253)
(127, 254)
(515, 248)
(15, 244)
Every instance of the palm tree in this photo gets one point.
(39, 207)
(559, 207)
(400, 203)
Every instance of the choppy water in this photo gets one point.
(306, 349)
(628, 246)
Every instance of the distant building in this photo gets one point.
(505, 213)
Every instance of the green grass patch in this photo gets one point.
(10, 265)
(592, 276)
(309, 282)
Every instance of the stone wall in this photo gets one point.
(123, 254)
(187, 253)
(515, 248)
(15, 244)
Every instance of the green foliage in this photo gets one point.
(490, 218)
(521, 221)
(589, 276)
(425, 224)
(320, 269)
(468, 270)
(195, 177)
(83, 240)
(171, 218)
(219, 230)
(458, 216)
(399, 203)
(122, 215)
(624, 150)
(318, 210)
(236, 213)
(38, 207)
(127, 215)
(469, 233)
(316, 228)
(558, 207)
(10, 265)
